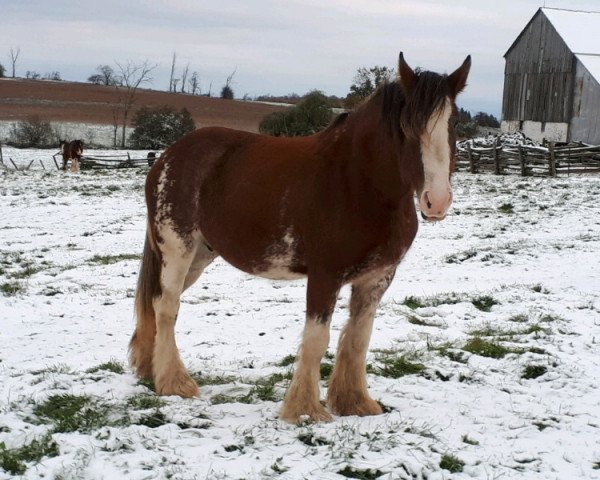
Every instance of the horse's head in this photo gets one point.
(430, 117)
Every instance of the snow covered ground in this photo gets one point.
(514, 272)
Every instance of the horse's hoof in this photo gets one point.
(311, 414)
(354, 404)
(180, 384)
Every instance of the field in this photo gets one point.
(84, 103)
(485, 350)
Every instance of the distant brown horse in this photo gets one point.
(71, 151)
(336, 207)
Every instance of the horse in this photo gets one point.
(71, 151)
(335, 208)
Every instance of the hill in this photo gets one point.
(61, 101)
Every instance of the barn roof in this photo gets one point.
(580, 30)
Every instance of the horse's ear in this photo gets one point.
(458, 79)
(408, 78)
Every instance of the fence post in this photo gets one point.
(471, 160)
(552, 160)
(496, 158)
(1, 157)
(522, 161)
(55, 162)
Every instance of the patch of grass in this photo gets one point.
(507, 208)
(110, 366)
(484, 303)
(145, 402)
(14, 461)
(414, 320)
(110, 259)
(325, 370)
(148, 383)
(519, 318)
(310, 439)
(533, 371)
(26, 272)
(287, 361)
(203, 380)
(413, 302)
(461, 257)
(71, 413)
(363, 474)
(153, 420)
(393, 365)
(416, 302)
(451, 463)
(262, 390)
(469, 441)
(481, 347)
(12, 288)
(449, 351)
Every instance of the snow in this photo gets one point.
(540, 261)
(579, 29)
(591, 64)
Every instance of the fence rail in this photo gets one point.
(529, 160)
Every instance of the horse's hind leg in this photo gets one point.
(347, 393)
(181, 266)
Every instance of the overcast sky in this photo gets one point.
(278, 47)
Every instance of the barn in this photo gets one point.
(552, 78)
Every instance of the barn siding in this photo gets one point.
(585, 125)
(539, 76)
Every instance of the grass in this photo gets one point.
(533, 371)
(484, 303)
(110, 259)
(394, 365)
(12, 288)
(484, 348)
(264, 389)
(507, 208)
(202, 379)
(110, 366)
(413, 302)
(72, 413)
(451, 463)
(363, 474)
(14, 460)
(469, 441)
(145, 402)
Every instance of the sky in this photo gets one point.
(275, 47)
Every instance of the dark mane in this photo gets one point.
(411, 112)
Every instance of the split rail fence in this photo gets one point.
(529, 160)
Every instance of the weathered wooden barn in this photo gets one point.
(552, 78)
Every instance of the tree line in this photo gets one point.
(311, 112)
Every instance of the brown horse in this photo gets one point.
(71, 151)
(336, 207)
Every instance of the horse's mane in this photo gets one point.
(411, 111)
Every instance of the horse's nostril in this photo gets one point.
(428, 204)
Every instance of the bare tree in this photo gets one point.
(227, 91)
(132, 76)
(105, 76)
(184, 76)
(171, 84)
(194, 81)
(14, 55)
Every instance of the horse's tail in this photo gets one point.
(141, 346)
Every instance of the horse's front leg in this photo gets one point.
(302, 397)
(347, 393)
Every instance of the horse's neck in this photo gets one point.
(383, 157)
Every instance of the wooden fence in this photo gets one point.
(529, 160)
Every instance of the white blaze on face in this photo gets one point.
(436, 197)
